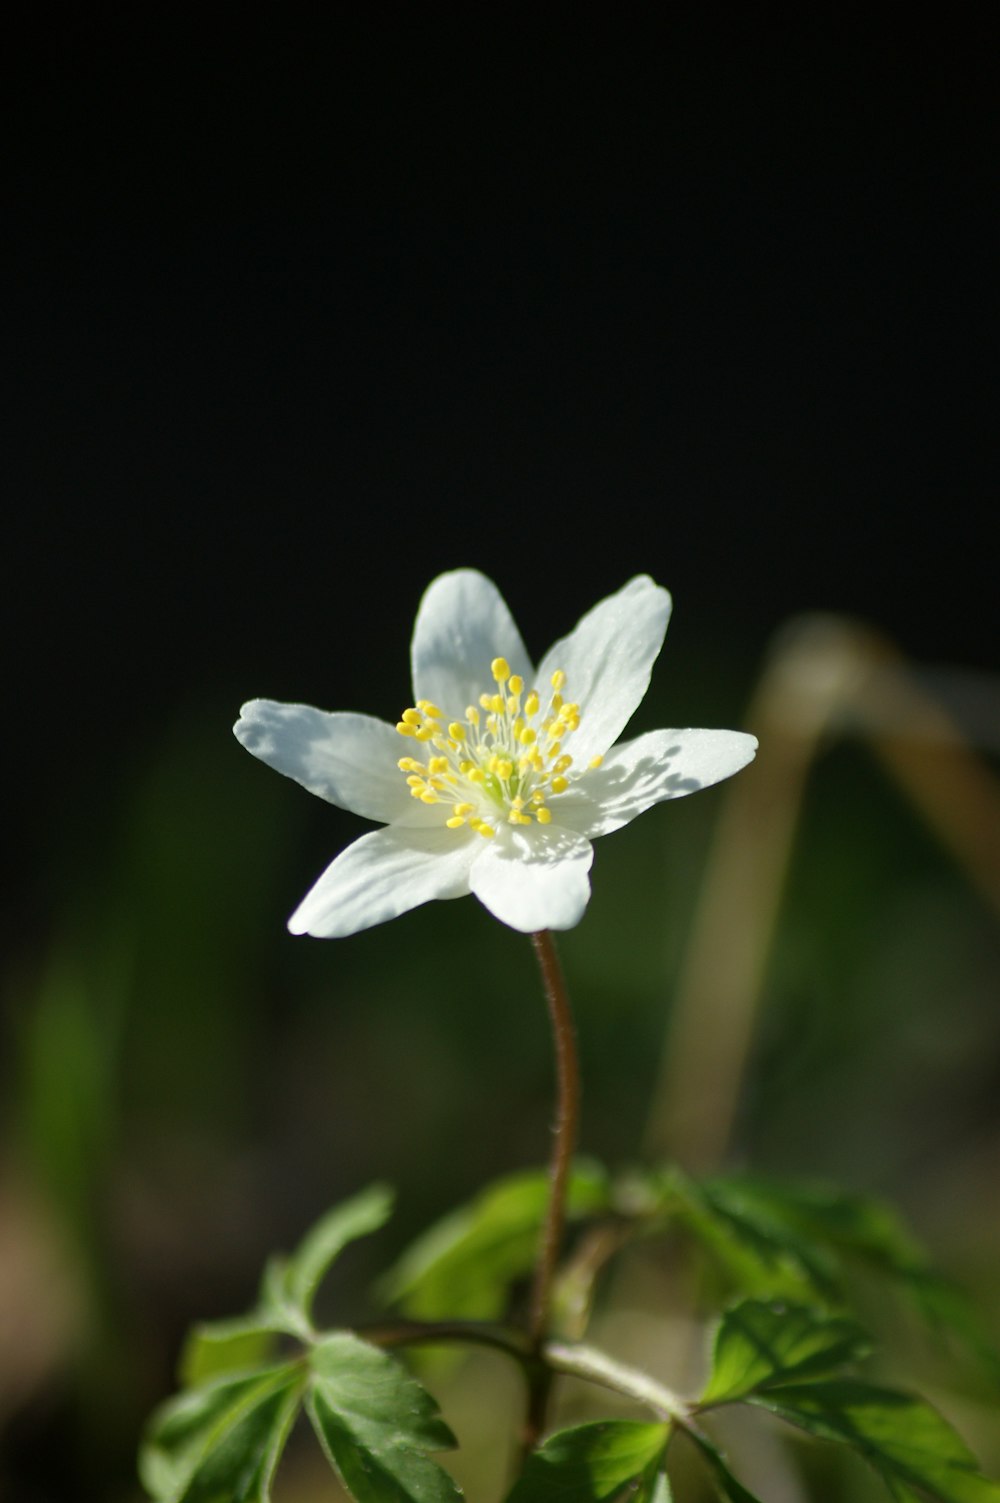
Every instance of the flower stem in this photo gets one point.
(565, 1135)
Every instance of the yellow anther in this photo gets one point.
(415, 781)
(425, 733)
(516, 818)
(562, 763)
(472, 714)
(517, 728)
(456, 731)
(405, 729)
(544, 816)
(558, 679)
(455, 823)
(531, 704)
(416, 792)
(476, 775)
(516, 684)
(557, 701)
(553, 749)
(500, 670)
(438, 764)
(485, 701)
(429, 797)
(498, 704)
(430, 710)
(526, 736)
(559, 785)
(407, 764)
(513, 700)
(464, 809)
(485, 830)
(538, 797)
(503, 769)
(517, 803)
(595, 761)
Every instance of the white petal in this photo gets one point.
(350, 760)
(608, 660)
(383, 875)
(534, 881)
(463, 624)
(637, 774)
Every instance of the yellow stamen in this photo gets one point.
(558, 679)
(455, 823)
(405, 729)
(531, 704)
(516, 683)
(559, 785)
(500, 670)
(544, 816)
(595, 761)
(456, 731)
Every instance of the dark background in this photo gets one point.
(304, 306)
(308, 305)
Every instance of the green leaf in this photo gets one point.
(221, 1443)
(463, 1266)
(593, 1463)
(760, 1251)
(759, 1344)
(226, 1346)
(376, 1423)
(727, 1484)
(865, 1228)
(290, 1284)
(907, 1442)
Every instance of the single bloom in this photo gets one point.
(498, 777)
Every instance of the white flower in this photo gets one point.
(500, 775)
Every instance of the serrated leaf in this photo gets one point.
(463, 1266)
(760, 1343)
(761, 1252)
(376, 1424)
(289, 1284)
(729, 1486)
(865, 1228)
(221, 1443)
(906, 1441)
(593, 1463)
(226, 1346)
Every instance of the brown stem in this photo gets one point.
(565, 1131)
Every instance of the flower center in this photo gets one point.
(502, 763)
